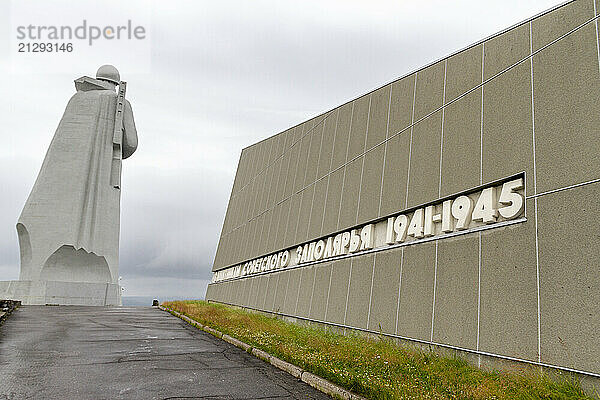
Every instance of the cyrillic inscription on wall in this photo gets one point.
(481, 208)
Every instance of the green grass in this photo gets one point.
(376, 368)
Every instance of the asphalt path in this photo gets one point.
(69, 352)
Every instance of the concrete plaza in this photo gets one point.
(75, 352)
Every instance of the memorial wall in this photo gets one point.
(455, 206)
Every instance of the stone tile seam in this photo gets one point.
(362, 168)
(371, 290)
(478, 298)
(254, 195)
(278, 237)
(295, 170)
(266, 291)
(345, 169)
(287, 220)
(481, 116)
(304, 181)
(560, 5)
(263, 194)
(597, 37)
(265, 181)
(410, 143)
(328, 291)
(293, 185)
(420, 341)
(387, 131)
(328, 175)
(426, 116)
(592, 181)
(321, 384)
(312, 292)
(535, 207)
(308, 152)
(435, 268)
(287, 171)
(399, 290)
(442, 131)
(348, 292)
(274, 185)
(287, 287)
(271, 189)
(301, 195)
(481, 183)
(275, 295)
(312, 203)
(298, 294)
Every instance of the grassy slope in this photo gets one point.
(374, 368)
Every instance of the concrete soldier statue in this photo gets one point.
(69, 228)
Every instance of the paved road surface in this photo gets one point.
(128, 353)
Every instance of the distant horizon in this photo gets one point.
(147, 300)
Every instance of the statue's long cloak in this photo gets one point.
(69, 227)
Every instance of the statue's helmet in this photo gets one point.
(108, 73)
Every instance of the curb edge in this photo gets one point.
(321, 384)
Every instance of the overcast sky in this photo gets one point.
(211, 78)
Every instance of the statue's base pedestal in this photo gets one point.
(61, 293)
